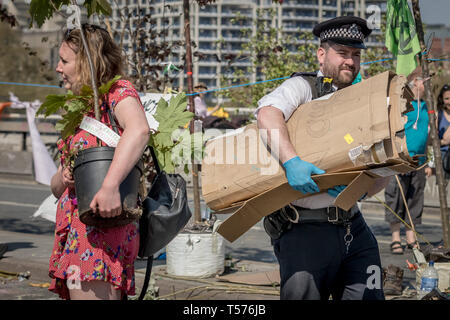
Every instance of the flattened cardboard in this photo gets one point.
(248, 213)
(348, 131)
(354, 191)
(256, 208)
(356, 135)
(400, 98)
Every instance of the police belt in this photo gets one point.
(283, 219)
(330, 214)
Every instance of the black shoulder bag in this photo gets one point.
(165, 212)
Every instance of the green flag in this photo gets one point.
(170, 67)
(401, 36)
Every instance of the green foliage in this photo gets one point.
(189, 147)
(42, 10)
(171, 116)
(73, 106)
(272, 52)
(98, 6)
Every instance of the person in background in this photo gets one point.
(201, 110)
(443, 106)
(413, 183)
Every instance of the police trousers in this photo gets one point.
(314, 262)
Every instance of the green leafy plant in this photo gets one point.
(189, 147)
(171, 116)
(74, 107)
(68, 155)
(42, 10)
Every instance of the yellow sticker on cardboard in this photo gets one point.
(348, 138)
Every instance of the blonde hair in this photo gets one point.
(106, 55)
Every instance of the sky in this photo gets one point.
(435, 11)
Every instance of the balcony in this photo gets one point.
(329, 3)
(303, 4)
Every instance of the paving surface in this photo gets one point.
(30, 242)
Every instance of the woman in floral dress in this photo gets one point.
(89, 262)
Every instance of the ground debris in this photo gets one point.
(19, 275)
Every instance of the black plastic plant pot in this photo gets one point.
(90, 169)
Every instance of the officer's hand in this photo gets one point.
(334, 192)
(298, 173)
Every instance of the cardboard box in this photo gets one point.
(356, 135)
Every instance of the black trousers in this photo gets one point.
(314, 262)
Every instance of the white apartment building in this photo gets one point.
(208, 24)
(215, 21)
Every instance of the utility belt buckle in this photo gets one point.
(295, 217)
(333, 219)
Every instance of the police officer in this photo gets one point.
(322, 250)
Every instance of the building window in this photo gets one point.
(208, 9)
(207, 33)
(206, 46)
(207, 70)
(206, 21)
(306, 13)
(329, 3)
(329, 14)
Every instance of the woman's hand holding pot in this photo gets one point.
(106, 202)
(67, 178)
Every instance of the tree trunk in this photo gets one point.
(433, 130)
(187, 35)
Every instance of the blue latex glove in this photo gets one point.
(334, 192)
(298, 173)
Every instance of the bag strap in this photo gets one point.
(112, 121)
(148, 273)
(148, 270)
(155, 160)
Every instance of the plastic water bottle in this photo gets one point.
(430, 280)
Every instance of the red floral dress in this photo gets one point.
(84, 253)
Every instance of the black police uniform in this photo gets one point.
(327, 251)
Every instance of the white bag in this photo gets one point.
(47, 209)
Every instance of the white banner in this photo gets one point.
(44, 167)
(100, 130)
(150, 102)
